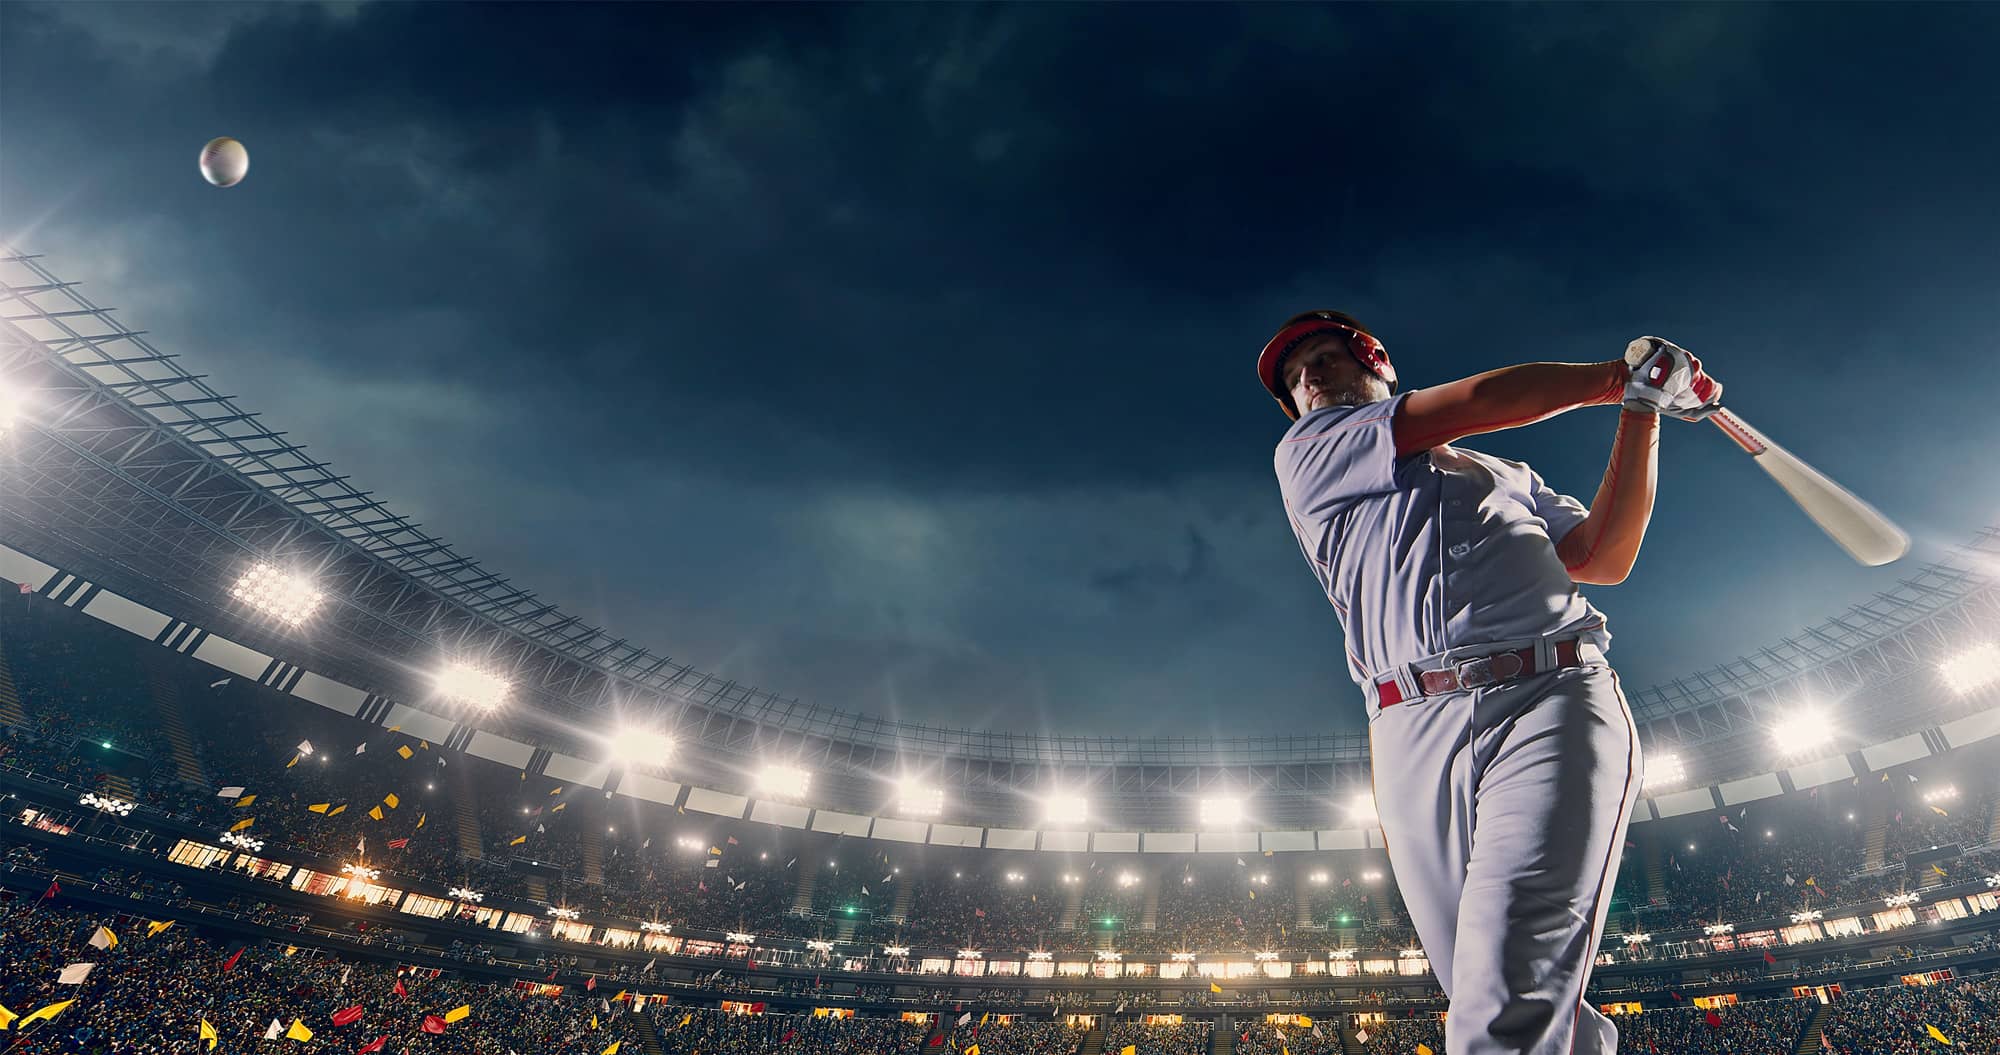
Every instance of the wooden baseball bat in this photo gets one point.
(1861, 530)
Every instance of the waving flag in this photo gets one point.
(1937, 1036)
(433, 1024)
(103, 939)
(347, 1016)
(49, 1011)
(298, 1032)
(374, 1045)
(458, 1012)
(207, 1033)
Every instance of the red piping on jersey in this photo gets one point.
(1625, 801)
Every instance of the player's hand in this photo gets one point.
(1669, 379)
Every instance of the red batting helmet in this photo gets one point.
(1360, 343)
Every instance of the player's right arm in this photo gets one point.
(1503, 399)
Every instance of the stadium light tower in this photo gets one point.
(1224, 811)
(290, 599)
(469, 684)
(1064, 808)
(785, 782)
(1361, 809)
(1802, 731)
(918, 799)
(637, 744)
(1974, 668)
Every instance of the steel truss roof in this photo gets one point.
(139, 474)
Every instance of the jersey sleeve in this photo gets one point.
(1332, 457)
(1559, 511)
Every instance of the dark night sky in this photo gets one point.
(899, 357)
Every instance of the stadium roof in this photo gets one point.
(135, 473)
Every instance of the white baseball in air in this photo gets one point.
(224, 162)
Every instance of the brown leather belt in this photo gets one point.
(1476, 673)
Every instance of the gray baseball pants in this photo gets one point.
(1505, 810)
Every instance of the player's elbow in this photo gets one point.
(1594, 576)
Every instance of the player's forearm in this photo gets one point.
(1503, 399)
(1604, 547)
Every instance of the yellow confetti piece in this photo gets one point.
(390, 800)
(242, 824)
(405, 751)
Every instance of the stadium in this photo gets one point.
(280, 765)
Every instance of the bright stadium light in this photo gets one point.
(656, 927)
(917, 799)
(1223, 811)
(1716, 930)
(1110, 955)
(564, 913)
(970, 954)
(466, 893)
(1268, 956)
(1066, 809)
(1901, 900)
(290, 599)
(904, 950)
(742, 937)
(637, 744)
(1361, 809)
(362, 872)
(12, 404)
(1808, 916)
(1637, 939)
(1040, 956)
(1974, 668)
(1319, 878)
(1185, 957)
(1943, 794)
(1127, 879)
(1801, 731)
(468, 684)
(785, 782)
(107, 803)
(1664, 771)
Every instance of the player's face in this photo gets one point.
(1323, 373)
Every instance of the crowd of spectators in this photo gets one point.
(1181, 1038)
(1400, 1036)
(150, 993)
(1900, 1021)
(714, 1032)
(1265, 1038)
(1767, 1027)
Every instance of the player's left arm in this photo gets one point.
(1602, 548)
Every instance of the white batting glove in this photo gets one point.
(1668, 379)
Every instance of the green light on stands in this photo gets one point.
(107, 745)
(1110, 921)
(1344, 917)
(850, 910)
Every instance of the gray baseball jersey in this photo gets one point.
(1503, 807)
(1431, 552)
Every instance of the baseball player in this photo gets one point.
(1506, 762)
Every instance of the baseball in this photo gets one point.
(224, 162)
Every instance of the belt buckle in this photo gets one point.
(1488, 670)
